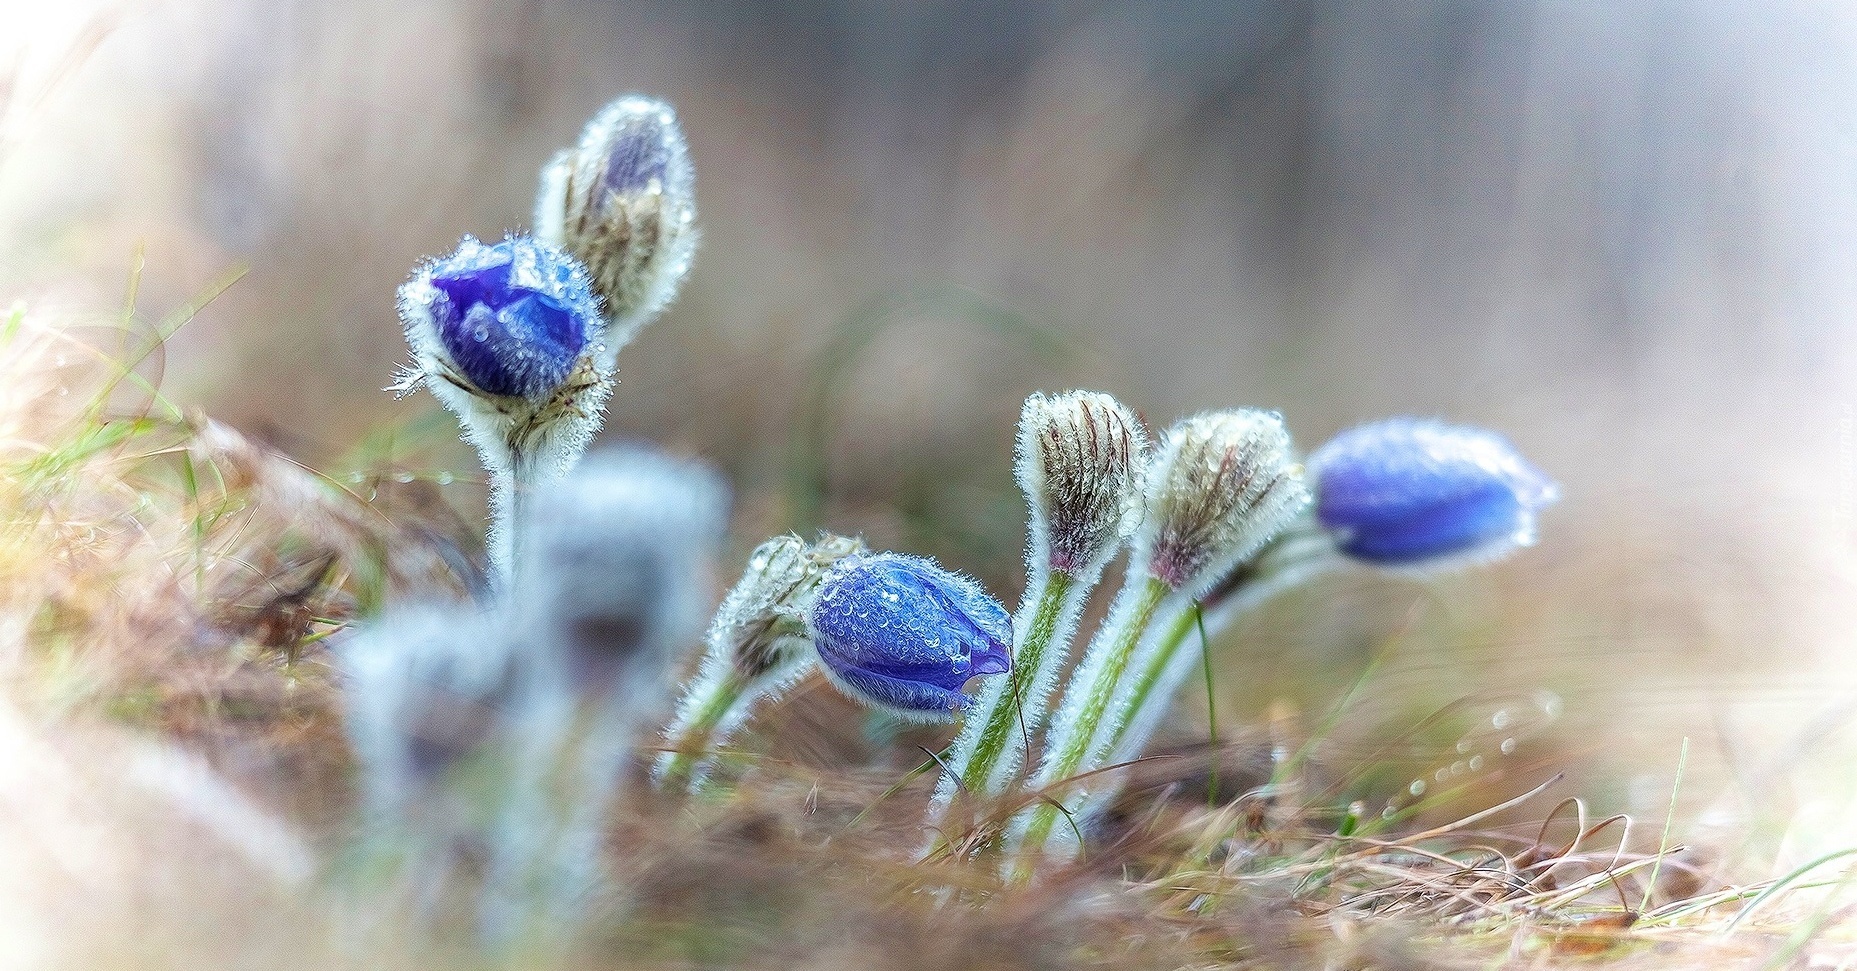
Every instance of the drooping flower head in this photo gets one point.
(623, 200)
(760, 629)
(508, 319)
(614, 563)
(902, 634)
(1080, 461)
(1406, 492)
(1221, 486)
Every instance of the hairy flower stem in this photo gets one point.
(1088, 699)
(984, 757)
(1294, 558)
(699, 723)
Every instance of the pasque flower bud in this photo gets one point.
(1407, 492)
(1080, 458)
(760, 628)
(1222, 484)
(506, 336)
(756, 646)
(902, 634)
(504, 320)
(623, 200)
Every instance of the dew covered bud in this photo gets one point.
(1221, 485)
(1080, 460)
(760, 626)
(1409, 492)
(902, 634)
(614, 560)
(623, 200)
(508, 319)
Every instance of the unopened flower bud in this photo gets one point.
(613, 562)
(1080, 461)
(1407, 492)
(1221, 485)
(761, 626)
(902, 634)
(623, 200)
(508, 320)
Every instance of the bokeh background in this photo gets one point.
(1621, 233)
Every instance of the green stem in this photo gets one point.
(1069, 751)
(1005, 715)
(692, 738)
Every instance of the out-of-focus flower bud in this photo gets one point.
(1080, 462)
(614, 560)
(904, 635)
(508, 319)
(1408, 492)
(1222, 484)
(623, 200)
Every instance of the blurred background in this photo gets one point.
(1620, 233)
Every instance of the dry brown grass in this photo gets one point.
(176, 789)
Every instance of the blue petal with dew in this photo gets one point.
(901, 633)
(513, 316)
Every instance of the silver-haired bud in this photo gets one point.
(757, 646)
(1080, 462)
(623, 200)
(760, 627)
(614, 559)
(1222, 484)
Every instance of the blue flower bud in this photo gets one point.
(900, 633)
(1405, 492)
(509, 319)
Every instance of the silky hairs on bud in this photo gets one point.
(1080, 460)
(759, 630)
(623, 200)
(1222, 484)
(614, 559)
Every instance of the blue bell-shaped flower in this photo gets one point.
(509, 319)
(902, 634)
(1409, 492)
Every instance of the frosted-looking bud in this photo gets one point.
(902, 634)
(1406, 492)
(614, 560)
(506, 320)
(761, 626)
(1222, 484)
(1080, 459)
(756, 646)
(623, 200)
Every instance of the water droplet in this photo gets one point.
(1476, 763)
(1502, 719)
(480, 333)
(1457, 768)
(403, 477)
(445, 478)
(1441, 775)
(1508, 746)
(1417, 787)
(1463, 745)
